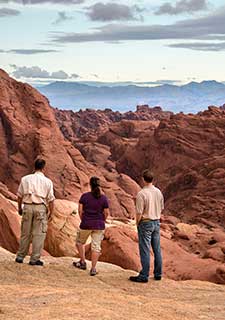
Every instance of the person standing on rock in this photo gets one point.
(93, 211)
(36, 195)
(149, 205)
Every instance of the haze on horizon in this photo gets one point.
(158, 41)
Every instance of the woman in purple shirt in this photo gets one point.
(93, 210)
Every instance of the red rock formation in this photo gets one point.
(87, 125)
(120, 247)
(94, 131)
(6, 193)
(28, 129)
(9, 225)
(186, 154)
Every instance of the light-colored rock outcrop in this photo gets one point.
(62, 229)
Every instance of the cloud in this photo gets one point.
(200, 46)
(74, 76)
(159, 82)
(62, 17)
(30, 2)
(36, 72)
(59, 75)
(95, 75)
(7, 12)
(210, 26)
(27, 51)
(182, 6)
(112, 11)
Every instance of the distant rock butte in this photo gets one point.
(86, 125)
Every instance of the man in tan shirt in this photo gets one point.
(149, 205)
(36, 195)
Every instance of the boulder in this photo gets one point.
(9, 225)
(62, 229)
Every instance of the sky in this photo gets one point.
(154, 41)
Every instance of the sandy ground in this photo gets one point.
(60, 291)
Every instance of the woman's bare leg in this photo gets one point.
(81, 251)
(94, 259)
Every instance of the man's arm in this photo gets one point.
(19, 202)
(106, 213)
(51, 208)
(50, 199)
(80, 210)
(20, 193)
(139, 208)
(162, 208)
(138, 218)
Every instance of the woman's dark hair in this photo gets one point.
(95, 187)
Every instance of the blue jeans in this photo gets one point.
(149, 235)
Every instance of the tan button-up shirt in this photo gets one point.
(149, 203)
(36, 188)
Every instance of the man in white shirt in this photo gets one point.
(149, 205)
(36, 195)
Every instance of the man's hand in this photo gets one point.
(50, 211)
(138, 219)
(19, 201)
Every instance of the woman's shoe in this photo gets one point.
(93, 272)
(80, 265)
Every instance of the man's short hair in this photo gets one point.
(147, 175)
(39, 164)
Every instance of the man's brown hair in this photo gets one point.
(39, 164)
(147, 175)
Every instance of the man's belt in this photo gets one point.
(36, 204)
(148, 219)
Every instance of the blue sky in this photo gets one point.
(141, 41)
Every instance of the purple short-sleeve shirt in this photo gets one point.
(93, 216)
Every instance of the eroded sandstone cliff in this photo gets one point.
(28, 129)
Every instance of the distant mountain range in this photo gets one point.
(189, 98)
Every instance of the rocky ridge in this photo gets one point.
(88, 124)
